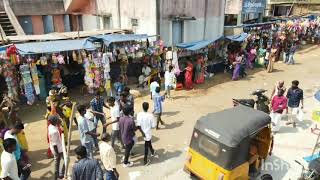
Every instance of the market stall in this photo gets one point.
(200, 59)
(32, 69)
(127, 53)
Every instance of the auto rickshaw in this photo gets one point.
(229, 145)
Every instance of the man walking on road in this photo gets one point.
(145, 123)
(295, 101)
(108, 158)
(278, 105)
(153, 86)
(157, 104)
(127, 130)
(115, 115)
(86, 168)
(55, 144)
(97, 104)
(168, 80)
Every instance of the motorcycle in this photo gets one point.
(261, 101)
(312, 172)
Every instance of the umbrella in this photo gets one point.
(317, 95)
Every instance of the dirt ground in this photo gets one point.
(180, 115)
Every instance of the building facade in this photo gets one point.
(293, 7)
(174, 21)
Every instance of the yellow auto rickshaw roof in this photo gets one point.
(231, 126)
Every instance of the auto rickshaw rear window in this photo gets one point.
(209, 146)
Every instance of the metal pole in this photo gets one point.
(67, 159)
(291, 8)
(78, 26)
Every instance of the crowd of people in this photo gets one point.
(264, 48)
(123, 127)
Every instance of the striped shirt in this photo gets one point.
(157, 103)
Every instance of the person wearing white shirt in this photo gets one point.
(168, 80)
(89, 116)
(143, 78)
(153, 86)
(9, 167)
(55, 143)
(108, 158)
(145, 123)
(114, 115)
(23, 165)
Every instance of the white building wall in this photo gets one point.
(210, 27)
(90, 22)
(143, 10)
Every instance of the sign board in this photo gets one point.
(233, 6)
(253, 6)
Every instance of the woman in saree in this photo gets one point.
(237, 67)
(272, 58)
(188, 83)
(199, 71)
(252, 53)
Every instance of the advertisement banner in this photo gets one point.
(233, 6)
(253, 6)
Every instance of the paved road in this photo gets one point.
(181, 114)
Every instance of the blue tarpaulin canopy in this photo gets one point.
(111, 38)
(54, 46)
(239, 38)
(4, 48)
(196, 45)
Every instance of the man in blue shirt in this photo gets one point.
(157, 105)
(97, 104)
(86, 168)
(295, 98)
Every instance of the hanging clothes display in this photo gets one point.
(89, 75)
(35, 78)
(9, 72)
(27, 83)
(175, 63)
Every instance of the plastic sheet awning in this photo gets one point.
(239, 38)
(111, 38)
(196, 45)
(54, 46)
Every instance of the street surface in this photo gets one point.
(181, 113)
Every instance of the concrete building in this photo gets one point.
(175, 21)
(293, 7)
(190, 20)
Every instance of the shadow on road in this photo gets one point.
(172, 113)
(163, 155)
(173, 125)
(40, 165)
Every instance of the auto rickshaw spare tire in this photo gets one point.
(266, 177)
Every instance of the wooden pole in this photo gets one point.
(67, 159)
